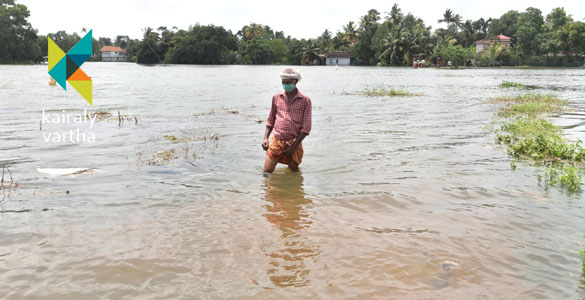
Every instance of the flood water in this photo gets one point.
(397, 198)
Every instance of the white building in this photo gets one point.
(339, 58)
(112, 53)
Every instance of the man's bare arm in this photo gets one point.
(266, 135)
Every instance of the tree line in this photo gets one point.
(385, 39)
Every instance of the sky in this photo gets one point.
(299, 19)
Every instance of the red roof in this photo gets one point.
(499, 38)
(112, 49)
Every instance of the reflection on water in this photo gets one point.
(287, 209)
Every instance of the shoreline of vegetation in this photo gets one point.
(529, 137)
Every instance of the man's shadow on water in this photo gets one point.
(286, 208)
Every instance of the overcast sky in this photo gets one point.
(300, 19)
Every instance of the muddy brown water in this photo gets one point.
(403, 197)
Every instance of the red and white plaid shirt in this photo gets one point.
(288, 119)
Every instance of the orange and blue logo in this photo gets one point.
(65, 67)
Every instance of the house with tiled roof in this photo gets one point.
(485, 44)
(113, 53)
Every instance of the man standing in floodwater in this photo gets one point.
(290, 119)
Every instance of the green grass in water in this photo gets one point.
(527, 127)
(531, 98)
(539, 140)
(172, 138)
(381, 92)
(511, 84)
(565, 176)
(530, 108)
(528, 136)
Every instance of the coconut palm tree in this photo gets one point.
(392, 47)
(350, 33)
(339, 41)
(457, 21)
(311, 53)
(324, 41)
(151, 39)
(411, 43)
(369, 19)
(447, 17)
(251, 31)
(467, 33)
(453, 21)
(395, 15)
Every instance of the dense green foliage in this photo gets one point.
(392, 39)
(18, 40)
(202, 45)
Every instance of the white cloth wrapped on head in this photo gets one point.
(290, 73)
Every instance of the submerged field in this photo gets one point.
(403, 189)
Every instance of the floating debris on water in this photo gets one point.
(380, 92)
(67, 171)
(226, 111)
(447, 265)
(175, 139)
(99, 115)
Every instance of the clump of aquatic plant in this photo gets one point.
(528, 136)
(527, 127)
(530, 108)
(531, 98)
(543, 148)
(159, 158)
(511, 84)
(383, 92)
(566, 177)
(174, 139)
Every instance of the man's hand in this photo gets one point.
(265, 144)
(290, 149)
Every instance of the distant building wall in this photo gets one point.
(342, 61)
(112, 53)
(113, 56)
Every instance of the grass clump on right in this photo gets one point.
(530, 104)
(529, 136)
